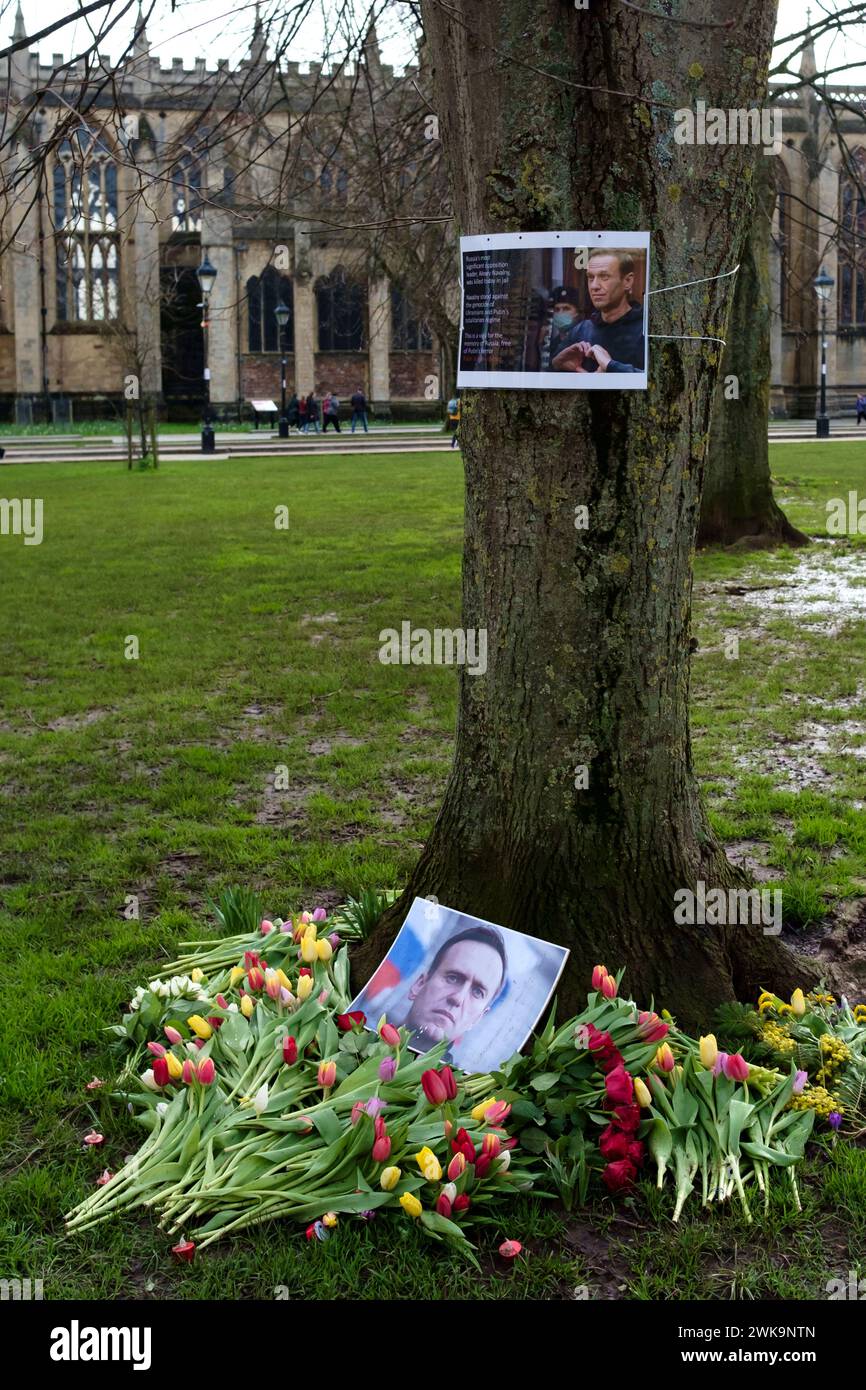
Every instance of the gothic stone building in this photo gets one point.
(156, 168)
(159, 166)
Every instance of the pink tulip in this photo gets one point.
(497, 1113)
(95, 1084)
(265, 926)
(335, 940)
(221, 1000)
(327, 1073)
(172, 1034)
(188, 1073)
(156, 1048)
(388, 1033)
(736, 1067)
(357, 1111)
(456, 1166)
(387, 1068)
(510, 1249)
(599, 974)
(382, 1149)
(319, 914)
(94, 1139)
(103, 1178)
(443, 1206)
(651, 1027)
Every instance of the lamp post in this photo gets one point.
(823, 285)
(206, 276)
(281, 313)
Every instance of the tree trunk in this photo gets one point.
(588, 630)
(737, 505)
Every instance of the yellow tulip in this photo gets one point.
(798, 1003)
(478, 1112)
(305, 987)
(709, 1050)
(642, 1094)
(410, 1204)
(389, 1179)
(175, 1066)
(197, 976)
(429, 1165)
(309, 951)
(324, 949)
(237, 974)
(329, 1219)
(200, 1027)
(247, 1006)
(284, 979)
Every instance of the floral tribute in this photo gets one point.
(264, 1097)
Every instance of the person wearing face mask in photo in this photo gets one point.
(565, 315)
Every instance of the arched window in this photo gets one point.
(852, 243)
(264, 293)
(408, 332)
(186, 195)
(783, 206)
(340, 303)
(85, 221)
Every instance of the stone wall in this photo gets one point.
(408, 370)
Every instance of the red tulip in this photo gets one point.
(482, 1163)
(443, 1206)
(627, 1117)
(188, 1074)
(255, 978)
(382, 1149)
(221, 1000)
(388, 1033)
(251, 958)
(736, 1068)
(216, 1021)
(599, 974)
(379, 1127)
(619, 1087)
(184, 1250)
(446, 1076)
(608, 987)
(510, 1249)
(290, 1051)
(613, 1143)
(346, 1022)
(206, 1071)
(434, 1087)
(160, 1071)
(463, 1144)
(462, 1202)
(619, 1176)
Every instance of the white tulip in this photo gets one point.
(260, 1103)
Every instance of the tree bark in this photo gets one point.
(588, 630)
(737, 504)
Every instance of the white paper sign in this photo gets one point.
(554, 311)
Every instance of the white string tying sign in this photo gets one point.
(686, 284)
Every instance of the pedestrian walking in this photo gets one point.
(454, 418)
(861, 408)
(312, 414)
(331, 413)
(359, 410)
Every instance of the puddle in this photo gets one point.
(826, 589)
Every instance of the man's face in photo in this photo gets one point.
(450, 999)
(607, 286)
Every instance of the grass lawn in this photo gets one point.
(154, 779)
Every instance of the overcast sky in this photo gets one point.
(218, 29)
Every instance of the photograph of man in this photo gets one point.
(612, 338)
(457, 988)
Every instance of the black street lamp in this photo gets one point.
(281, 313)
(823, 285)
(206, 276)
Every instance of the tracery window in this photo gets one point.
(852, 243)
(264, 293)
(186, 205)
(85, 222)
